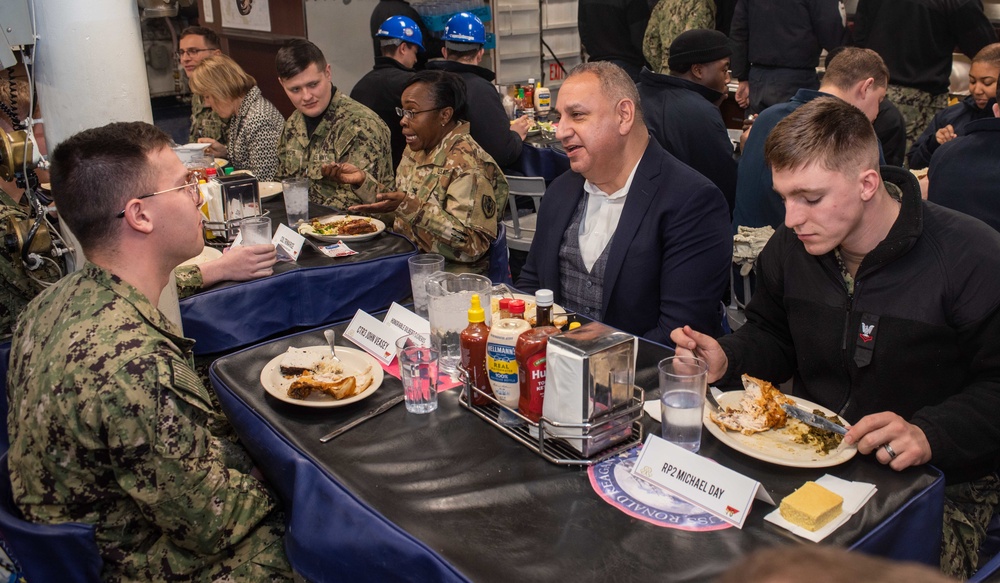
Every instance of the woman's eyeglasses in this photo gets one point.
(409, 113)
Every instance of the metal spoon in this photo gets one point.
(331, 338)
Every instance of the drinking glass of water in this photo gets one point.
(418, 369)
(683, 382)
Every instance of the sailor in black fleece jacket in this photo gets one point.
(881, 307)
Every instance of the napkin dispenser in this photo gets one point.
(240, 196)
(590, 374)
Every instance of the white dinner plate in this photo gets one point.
(268, 189)
(207, 254)
(778, 446)
(354, 360)
(306, 229)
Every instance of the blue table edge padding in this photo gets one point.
(319, 295)
(924, 549)
(65, 552)
(358, 529)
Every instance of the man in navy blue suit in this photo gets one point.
(630, 236)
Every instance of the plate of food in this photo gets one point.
(310, 377)
(753, 422)
(347, 228)
(207, 254)
(268, 189)
(529, 309)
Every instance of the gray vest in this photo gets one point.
(582, 290)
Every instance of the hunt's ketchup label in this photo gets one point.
(530, 354)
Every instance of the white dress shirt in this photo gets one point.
(601, 219)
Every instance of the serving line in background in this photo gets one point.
(450, 498)
(311, 291)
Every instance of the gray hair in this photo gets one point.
(615, 82)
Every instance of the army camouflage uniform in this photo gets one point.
(968, 508)
(205, 123)
(668, 20)
(454, 194)
(349, 132)
(918, 108)
(109, 425)
(189, 280)
(16, 287)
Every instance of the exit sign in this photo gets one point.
(555, 72)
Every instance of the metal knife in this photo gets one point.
(813, 420)
(373, 413)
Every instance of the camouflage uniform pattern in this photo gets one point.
(968, 508)
(16, 287)
(454, 194)
(205, 123)
(349, 132)
(109, 425)
(189, 280)
(918, 108)
(668, 20)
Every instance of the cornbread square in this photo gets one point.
(812, 506)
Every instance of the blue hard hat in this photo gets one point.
(465, 28)
(402, 28)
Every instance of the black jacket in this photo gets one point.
(681, 115)
(381, 90)
(612, 30)
(916, 37)
(490, 126)
(958, 116)
(784, 33)
(964, 173)
(920, 336)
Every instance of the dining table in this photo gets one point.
(312, 290)
(541, 156)
(446, 496)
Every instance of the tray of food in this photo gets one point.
(347, 228)
(309, 376)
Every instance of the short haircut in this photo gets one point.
(295, 56)
(846, 66)
(389, 46)
(828, 131)
(221, 77)
(211, 39)
(989, 54)
(96, 171)
(457, 54)
(447, 90)
(615, 82)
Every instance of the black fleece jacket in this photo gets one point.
(920, 336)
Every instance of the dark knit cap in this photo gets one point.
(697, 46)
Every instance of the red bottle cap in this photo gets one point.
(517, 306)
(505, 304)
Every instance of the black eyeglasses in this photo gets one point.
(409, 113)
(192, 52)
(192, 191)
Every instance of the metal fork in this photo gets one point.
(331, 338)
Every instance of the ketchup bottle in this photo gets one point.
(472, 344)
(531, 365)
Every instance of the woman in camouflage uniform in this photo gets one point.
(449, 191)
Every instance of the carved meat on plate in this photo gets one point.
(311, 372)
(758, 410)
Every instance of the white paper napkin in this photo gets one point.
(855, 495)
(652, 408)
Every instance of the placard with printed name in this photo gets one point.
(700, 481)
(288, 240)
(373, 336)
(407, 321)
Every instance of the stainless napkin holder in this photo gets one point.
(240, 195)
(590, 374)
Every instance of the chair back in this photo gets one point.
(521, 229)
(499, 259)
(47, 552)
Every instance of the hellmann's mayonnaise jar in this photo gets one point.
(501, 365)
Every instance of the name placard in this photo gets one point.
(373, 336)
(700, 481)
(288, 242)
(409, 323)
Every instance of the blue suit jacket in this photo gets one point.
(670, 256)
